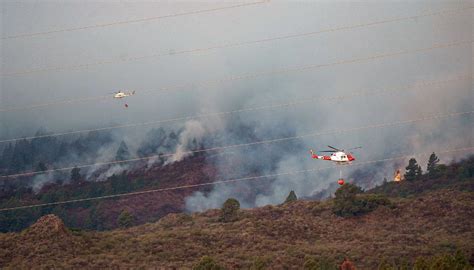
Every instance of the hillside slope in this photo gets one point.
(278, 237)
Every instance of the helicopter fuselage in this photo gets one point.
(338, 157)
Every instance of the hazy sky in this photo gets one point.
(276, 18)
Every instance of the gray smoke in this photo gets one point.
(273, 19)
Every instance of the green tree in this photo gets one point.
(291, 197)
(413, 170)
(75, 175)
(345, 203)
(122, 152)
(432, 167)
(230, 210)
(207, 263)
(125, 219)
(349, 202)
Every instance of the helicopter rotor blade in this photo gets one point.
(353, 148)
(328, 151)
(332, 147)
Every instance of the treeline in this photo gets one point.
(457, 175)
(435, 170)
(40, 154)
(77, 188)
(92, 213)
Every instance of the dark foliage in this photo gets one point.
(291, 197)
(230, 210)
(75, 175)
(348, 203)
(457, 176)
(413, 170)
(207, 263)
(122, 152)
(125, 219)
(432, 167)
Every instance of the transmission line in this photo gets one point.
(229, 45)
(258, 74)
(225, 181)
(270, 141)
(434, 83)
(141, 20)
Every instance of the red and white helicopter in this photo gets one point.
(339, 156)
(121, 94)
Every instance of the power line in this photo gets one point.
(259, 74)
(230, 45)
(225, 181)
(250, 109)
(270, 141)
(102, 25)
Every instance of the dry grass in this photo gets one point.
(280, 237)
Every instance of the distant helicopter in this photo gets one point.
(339, 156)
(121, 94)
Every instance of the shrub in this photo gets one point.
(125, 219)
(319, 264)
(421, 264)
(230, 210)
(347, 202)
(259, 264)
(370, 202)
(456, 262)
(207, 263)
(385, 265)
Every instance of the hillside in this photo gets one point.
(100, 215)
(277, 237)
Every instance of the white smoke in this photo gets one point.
(193, 131)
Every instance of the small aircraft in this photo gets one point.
(121, 94)
(338, 155)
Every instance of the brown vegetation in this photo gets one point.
(271, 237)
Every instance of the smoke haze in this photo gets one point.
(276, 18)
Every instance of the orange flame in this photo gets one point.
(398, 176)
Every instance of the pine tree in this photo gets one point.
(432, 168)
(75, 175)
(122, 152)
(125, 219)
(291, 197)
(413, 170)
